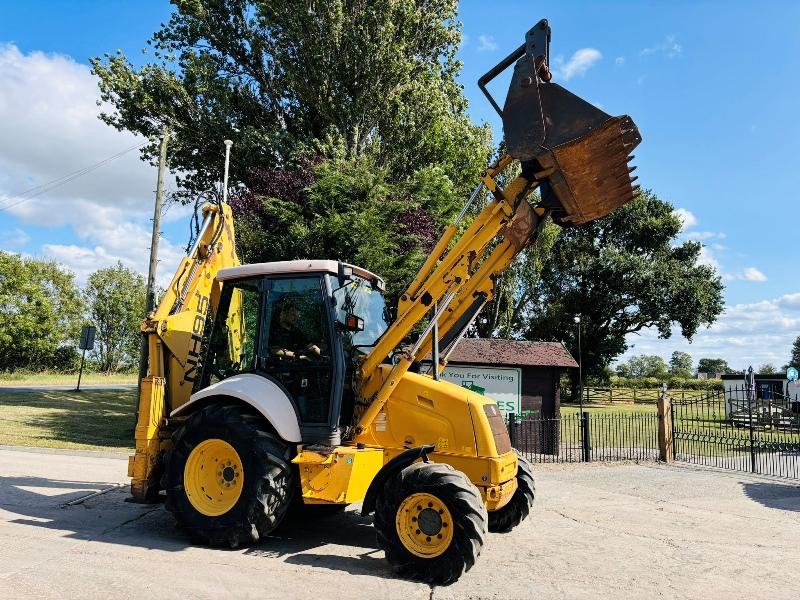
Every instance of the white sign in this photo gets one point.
(501, 384)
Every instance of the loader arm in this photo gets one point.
(575, 153)
(174, 334)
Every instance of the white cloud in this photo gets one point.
(709, 253)
(707, 257)
(744, 335)
(748, 274)
(486, 43)
(14, 238)
(790, 301)
(703, 236)
(48, 119)
(620, 60)
(669, 48)
(686, 216)
(753, 274)
(578, 64)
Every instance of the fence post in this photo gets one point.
(665, 426)
(585, 446)
(512, 429)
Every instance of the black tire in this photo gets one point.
(267, 487)
(467, 511)
(518, 508)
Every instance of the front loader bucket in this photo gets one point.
(578, 153)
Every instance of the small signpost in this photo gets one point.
(791, 374)
(86, 343)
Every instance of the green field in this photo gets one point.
(609, 409)
(19, 379)
(90, 419)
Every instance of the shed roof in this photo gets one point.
(481, 351)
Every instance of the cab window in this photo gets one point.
(233, 344)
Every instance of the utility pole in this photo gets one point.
(151, 275)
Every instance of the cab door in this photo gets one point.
(296, 349)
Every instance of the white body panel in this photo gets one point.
(260, 393)
(289, 267)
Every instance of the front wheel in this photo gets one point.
(517, 509)
(431, 523)
(228, 478)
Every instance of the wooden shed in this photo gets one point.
(538, 364)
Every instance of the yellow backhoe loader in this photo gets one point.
(277, 384)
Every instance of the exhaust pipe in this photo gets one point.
(577, 152)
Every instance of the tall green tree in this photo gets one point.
(623, 273)
(680, 364)
(337, 79)
(644, 365)
(794, 359)
(115, 300)
(349, 211)
(767, 368)
(40, 309)
(713, 365)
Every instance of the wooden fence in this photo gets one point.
(607, 395)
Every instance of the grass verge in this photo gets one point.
(86, 420)
(20, 379)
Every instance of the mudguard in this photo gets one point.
(263, 394)
(391, 468)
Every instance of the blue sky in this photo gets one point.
(713, 91)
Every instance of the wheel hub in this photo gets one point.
(424, 525)
(429, 521)
(213, 477)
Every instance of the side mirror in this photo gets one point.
(352, 323)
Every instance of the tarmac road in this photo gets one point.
(597, 531)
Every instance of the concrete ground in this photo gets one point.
(597, 531)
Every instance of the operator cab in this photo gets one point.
(303, 325)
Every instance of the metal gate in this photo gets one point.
(743, 429)
(585, 437)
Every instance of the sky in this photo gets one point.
(713, 91)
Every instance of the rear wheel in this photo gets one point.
(228, 479)
(518, 508)
(430, 522)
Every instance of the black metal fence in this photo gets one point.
(586, 437)
(743, 429)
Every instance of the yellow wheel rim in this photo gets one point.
(213, 477)
(424, 525)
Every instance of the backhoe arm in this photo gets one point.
(174, 335)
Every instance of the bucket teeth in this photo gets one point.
(581, 153)
(577, 153)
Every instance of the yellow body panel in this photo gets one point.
(341, 476)
(424, 411)
(148, 442)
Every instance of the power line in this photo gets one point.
(55, 183)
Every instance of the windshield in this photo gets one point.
(358, 297)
